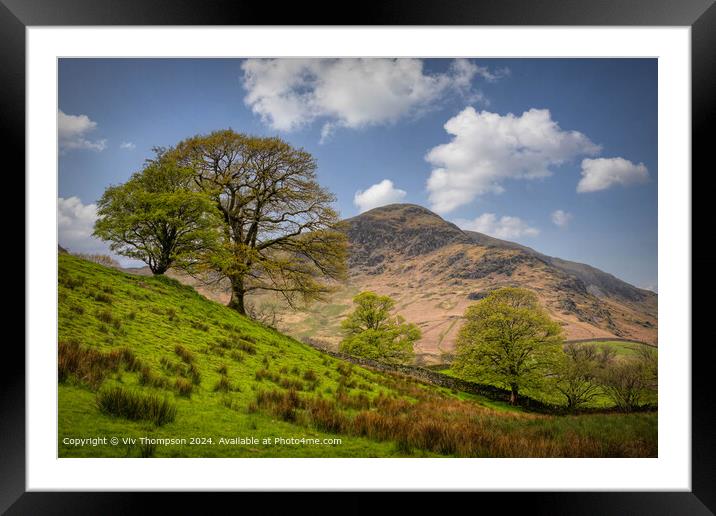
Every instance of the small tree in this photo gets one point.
(577, 374)
(371, 332)
(625, 383)
(157, 217)
(508, 339)
(629, 380)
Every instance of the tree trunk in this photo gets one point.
(513, 394)
(237, 295)
(159, 269)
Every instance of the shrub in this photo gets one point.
(120, 402)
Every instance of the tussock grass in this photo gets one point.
(183, 387)
(147, 449)
(183, 353)
(223, 385)
(102, 297)
(121, 402)
(90, 366)
(152, 379)
(236, 355)
(245, 346)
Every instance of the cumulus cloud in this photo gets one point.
(602, 173)
(290, 93)
(72, 133)
(127, 145)
(75, 223)
(488, 148)
(561, 218)
(499, 227)
(379, 194)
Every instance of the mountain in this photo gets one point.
(434, 270)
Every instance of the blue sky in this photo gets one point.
(557, 154)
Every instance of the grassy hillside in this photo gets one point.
(149, 357)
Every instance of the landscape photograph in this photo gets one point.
(357, 257)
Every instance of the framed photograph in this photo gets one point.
(425, 249)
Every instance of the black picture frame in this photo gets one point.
(700, 15)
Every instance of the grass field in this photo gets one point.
(146, 357)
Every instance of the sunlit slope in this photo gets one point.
(143, 356)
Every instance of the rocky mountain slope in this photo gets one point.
(434, 270)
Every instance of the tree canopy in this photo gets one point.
(508, 339)
(278, 230)
(371, 332)
(157, 216)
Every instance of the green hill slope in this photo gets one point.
(147, 357)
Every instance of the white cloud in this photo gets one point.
(75, 224)
(561, 218)
(379, 194)
(290, 93)
(488, 148)
(127, 145)
(72, 133)
(602, 173)
(502, 227)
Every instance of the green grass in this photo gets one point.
(625, 349)
(148, 357)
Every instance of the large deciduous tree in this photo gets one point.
(157, 216)
(372, 332)
(279, 231)
(508, 339)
